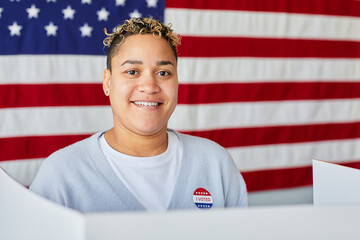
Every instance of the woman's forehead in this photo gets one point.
(145, 45)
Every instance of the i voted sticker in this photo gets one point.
(202, 198)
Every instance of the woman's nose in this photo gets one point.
(148, 84)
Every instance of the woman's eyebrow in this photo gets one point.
(132, 62)
(160, 63)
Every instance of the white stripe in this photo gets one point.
(213, 70)
(262, 24)
(54, 121)
(252, 114)
(294, 155)
(24, 171)
(86, 120)
(51, 69)
(89, 69)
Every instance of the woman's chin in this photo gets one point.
(149, 130)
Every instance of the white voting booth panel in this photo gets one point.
(335, 184)
(24, 215)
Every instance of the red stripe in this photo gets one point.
(277, 178)
(326, 7)
(282, 178)
(42, 146)
(34, 147)
(240, 137)
(266, 47)
(251, 92)
(43, 95)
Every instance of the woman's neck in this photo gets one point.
(133, 144)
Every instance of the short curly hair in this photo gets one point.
(133, 26)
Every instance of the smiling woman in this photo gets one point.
(142, 85)
(140, 164)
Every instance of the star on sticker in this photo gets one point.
(86, 30)
(120, 3)
(51, 29)
(135, 14)
(15, 29)
(33, 12)
(1, 10)
(102, 14)
(51, 1)
(86, 1)
(151, 3)
(68, 13)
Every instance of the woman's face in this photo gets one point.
(143, 84)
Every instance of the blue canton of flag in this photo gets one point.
(66, 26)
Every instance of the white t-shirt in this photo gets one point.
(150, 179)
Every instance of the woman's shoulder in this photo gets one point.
(77, 150)
(67, 159)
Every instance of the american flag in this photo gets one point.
(276, 82)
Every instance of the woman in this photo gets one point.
(140, 164)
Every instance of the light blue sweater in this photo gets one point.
(80, 177)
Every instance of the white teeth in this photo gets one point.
(147, 103)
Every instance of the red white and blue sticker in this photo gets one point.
(202, 198)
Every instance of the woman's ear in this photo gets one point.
(106, 82)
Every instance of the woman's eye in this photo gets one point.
(163, 73)
(132, 72)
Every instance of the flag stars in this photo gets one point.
(1, 10)
(86, 1)
(120, 3)
(15, 29)
(51, 1)
(103, 14)
(68, 13)
(86, 30)
(151, 3)
(51, 29)
(33, 12)
(135, 14)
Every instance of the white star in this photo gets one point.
(151, 3)
(51, 29)
(33, 12)
(51, 1)
(135, 14)
(86, 30)
(86, 1)
(14, 0)
(15, 29)
(120, 3)
(1, 10)
(102, 14)
(68, 13)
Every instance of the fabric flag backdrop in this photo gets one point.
(276, 82)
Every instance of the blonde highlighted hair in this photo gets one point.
(133, 26)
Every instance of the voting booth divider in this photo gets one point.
(334, 184)
(25, 215)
